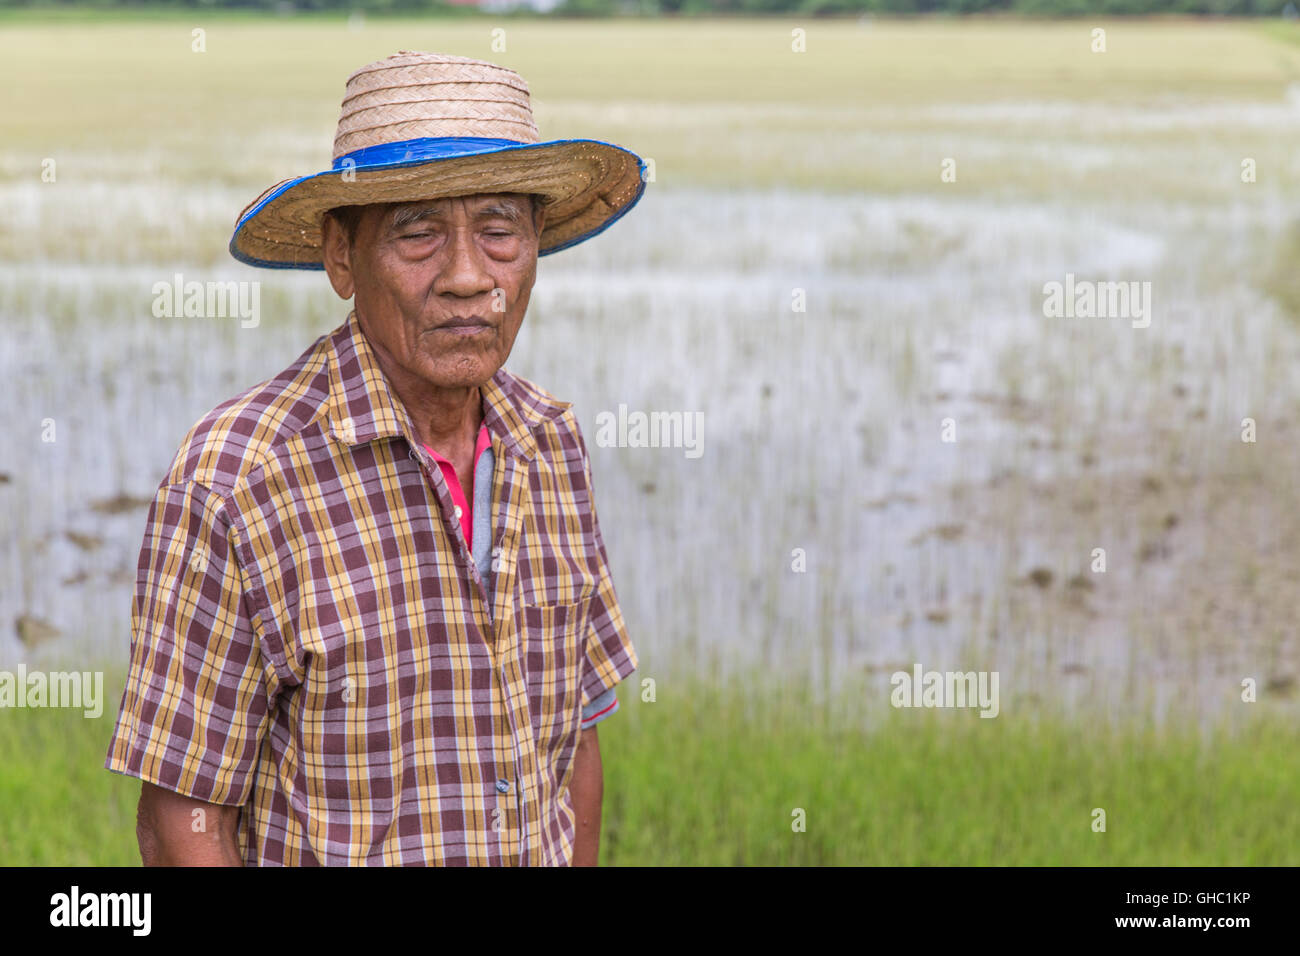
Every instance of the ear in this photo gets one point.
(539, 219)
(336, 253)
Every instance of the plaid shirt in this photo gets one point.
(312, 640)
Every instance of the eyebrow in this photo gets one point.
(407, 215)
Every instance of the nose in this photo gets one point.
(464, 273)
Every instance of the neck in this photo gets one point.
(444, 418)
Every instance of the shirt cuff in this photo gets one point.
(606, 705)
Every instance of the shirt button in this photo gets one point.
(458, 512)
(503, 786)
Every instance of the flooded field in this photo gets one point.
(885, 402)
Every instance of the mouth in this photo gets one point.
(463, 325)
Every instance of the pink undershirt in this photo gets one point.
(453, 484)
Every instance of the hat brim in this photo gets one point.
(587, 185)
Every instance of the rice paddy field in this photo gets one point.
(841, 263)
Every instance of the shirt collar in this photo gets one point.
(364, 408)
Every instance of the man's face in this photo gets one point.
(441, 285)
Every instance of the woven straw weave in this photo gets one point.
(584, 183)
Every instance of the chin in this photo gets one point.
(461, 376)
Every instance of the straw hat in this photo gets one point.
(427, 125)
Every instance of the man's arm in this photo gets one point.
(170, 833)
(199, 684)
(587, 787)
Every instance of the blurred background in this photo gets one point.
(840, 262)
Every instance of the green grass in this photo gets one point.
(709, 777)
(60, 806)
(695, 782)
(715, 102)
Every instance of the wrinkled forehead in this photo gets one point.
(513, 206)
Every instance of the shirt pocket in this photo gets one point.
(555, 652)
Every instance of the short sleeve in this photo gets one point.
(610, 654)
(198, 689)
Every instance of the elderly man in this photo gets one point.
(374, 619)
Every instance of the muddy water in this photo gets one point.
(942, 458)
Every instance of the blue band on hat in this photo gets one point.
(413, 150)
